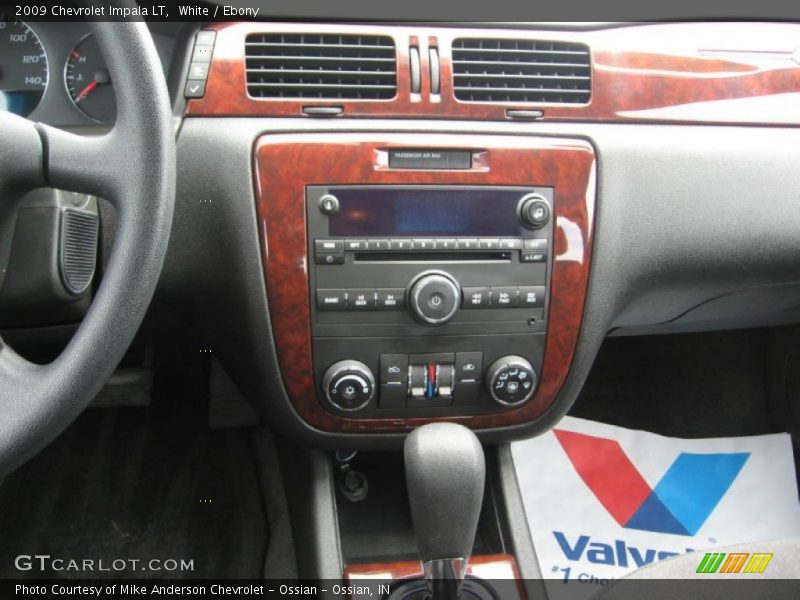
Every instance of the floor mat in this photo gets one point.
(602, 501)
(138, 484)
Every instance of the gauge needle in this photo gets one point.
(86, 91)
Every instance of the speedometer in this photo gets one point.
(23, 67)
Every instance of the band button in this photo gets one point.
(331, 300)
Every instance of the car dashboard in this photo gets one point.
(379, 226)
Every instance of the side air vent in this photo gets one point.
(499, 70)
(79, 231)
(321, 66)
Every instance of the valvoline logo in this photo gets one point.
(679, 503)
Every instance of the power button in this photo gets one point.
(434, 298)
(329, 204)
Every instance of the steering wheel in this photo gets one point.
(133, 166)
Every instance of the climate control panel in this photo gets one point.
(428, 381)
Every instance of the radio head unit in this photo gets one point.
(420, 280)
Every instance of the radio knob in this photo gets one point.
(349, 385)
(534, 211)
(434, 298)
(511, 380)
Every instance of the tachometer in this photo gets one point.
(89, 83)
(23, 67)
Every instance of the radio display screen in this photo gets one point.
(422, 212)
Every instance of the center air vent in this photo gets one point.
(513, 71)
(321, 66)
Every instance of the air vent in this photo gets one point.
(513, 71)
(314, 66)
(79, 231)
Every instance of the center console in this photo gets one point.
(415, 277)
(402, 264)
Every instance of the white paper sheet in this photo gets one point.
(601, 501)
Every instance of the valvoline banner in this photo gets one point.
(602, 501)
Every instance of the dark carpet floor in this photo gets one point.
(144, 484)
(690, 385)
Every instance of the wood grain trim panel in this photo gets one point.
(287, 163)
(720, 73)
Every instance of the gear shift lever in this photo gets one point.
(445, 474)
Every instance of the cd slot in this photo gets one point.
(436, 257)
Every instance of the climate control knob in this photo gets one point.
(511, 380)
(349, 385)
(434, 298)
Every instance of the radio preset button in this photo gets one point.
(359, 300)
(328, 246)
(391, 299)
(331, 300)
(505, 297)
(532, 257)
(510, 244)
(402, 244)
(476, 297)
(426, 244)
(378, 245)
(446, 244)
(489, 244)
(469, 244)
(532, 296)
(537, 244)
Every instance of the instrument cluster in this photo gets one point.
(56, 73)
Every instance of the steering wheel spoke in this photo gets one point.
(88, 164)
(20, 155)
